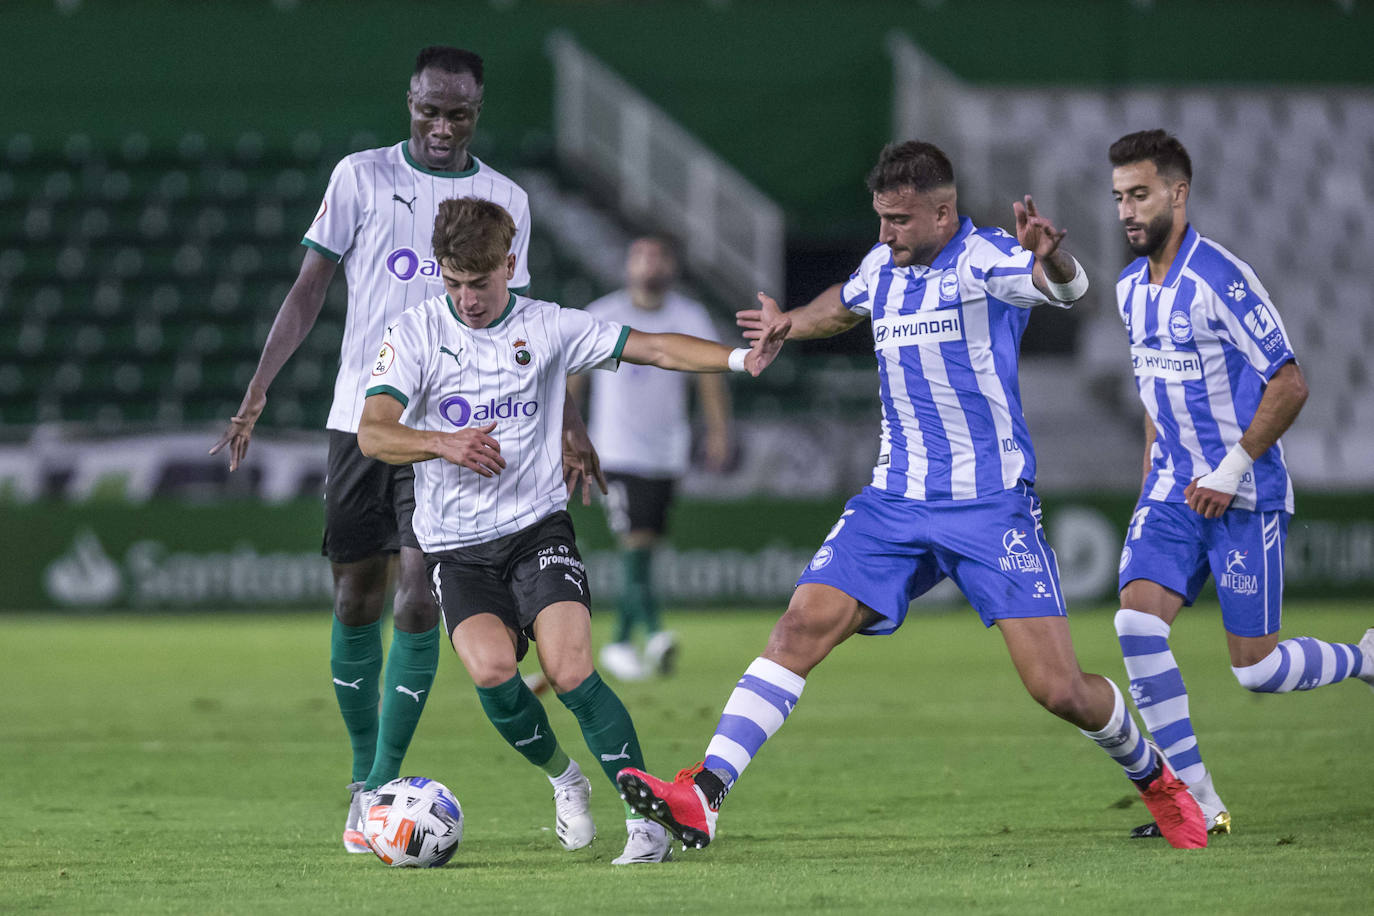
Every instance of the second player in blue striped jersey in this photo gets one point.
(946, 336)
(1220, 384)
(1205, 341)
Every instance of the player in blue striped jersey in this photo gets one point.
(951, 494)
(1220, 384)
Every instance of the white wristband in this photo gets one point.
(736, 361)
(1074, 289)
(1226, 478)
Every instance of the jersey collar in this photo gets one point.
(466, 173)
(454, 312)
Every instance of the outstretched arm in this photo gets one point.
(381, 435)
(824, 316)
(1211, 494)
(685, 353)
(294, 320)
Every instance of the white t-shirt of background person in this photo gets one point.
(377, 219)
(638, 416)
(450, 376)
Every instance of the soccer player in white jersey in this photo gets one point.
(465, 386)
(1220, 384)
(639, 418)
(376, 220)
(951, 494)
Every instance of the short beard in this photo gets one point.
(1156, 234)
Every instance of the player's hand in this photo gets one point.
(1205, 502)
(240, 430)
(755, 322)
(581, 464)
(773, 326)
(751, 321)
(474, 449)
(1034, 232)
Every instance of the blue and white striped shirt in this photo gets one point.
(1204, 343)
(947, 338)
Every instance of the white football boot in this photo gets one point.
(648, 842)
(572, 809)
(353, 827)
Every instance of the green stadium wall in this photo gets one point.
(797, 94)
(246, 555)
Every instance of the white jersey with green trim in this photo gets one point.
(514, 371)
(377, 218)
(638, 417)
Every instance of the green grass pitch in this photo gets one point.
(197, 765)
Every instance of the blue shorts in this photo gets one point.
(1171, 545)
(887, 550)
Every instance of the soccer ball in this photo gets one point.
(413, 822)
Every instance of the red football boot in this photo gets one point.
(679, 805)
(1176, 812)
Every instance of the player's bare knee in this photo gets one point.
(490, 672)
(565, 681)
(356, 608)
(1061, 696)
(802, 638)
(415, 612)
(360, 591)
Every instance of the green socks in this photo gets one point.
(606, 725)
(520, 718)
(637, 601)
(355, 660)
(410, 666)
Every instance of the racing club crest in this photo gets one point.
(522, 355)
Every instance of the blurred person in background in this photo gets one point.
(639, 416)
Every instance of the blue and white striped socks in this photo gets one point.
(1122, 740)
(1158, 691)
(759, 704)
(1301, 663)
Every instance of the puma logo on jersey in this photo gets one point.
(450, 353)
(410, 204)
(574, 581)
(531, 739)
(353, 685)
(623, 755)
(413, 694)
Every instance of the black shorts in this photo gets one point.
(635, 503)
(514, 577)
(368, 503)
